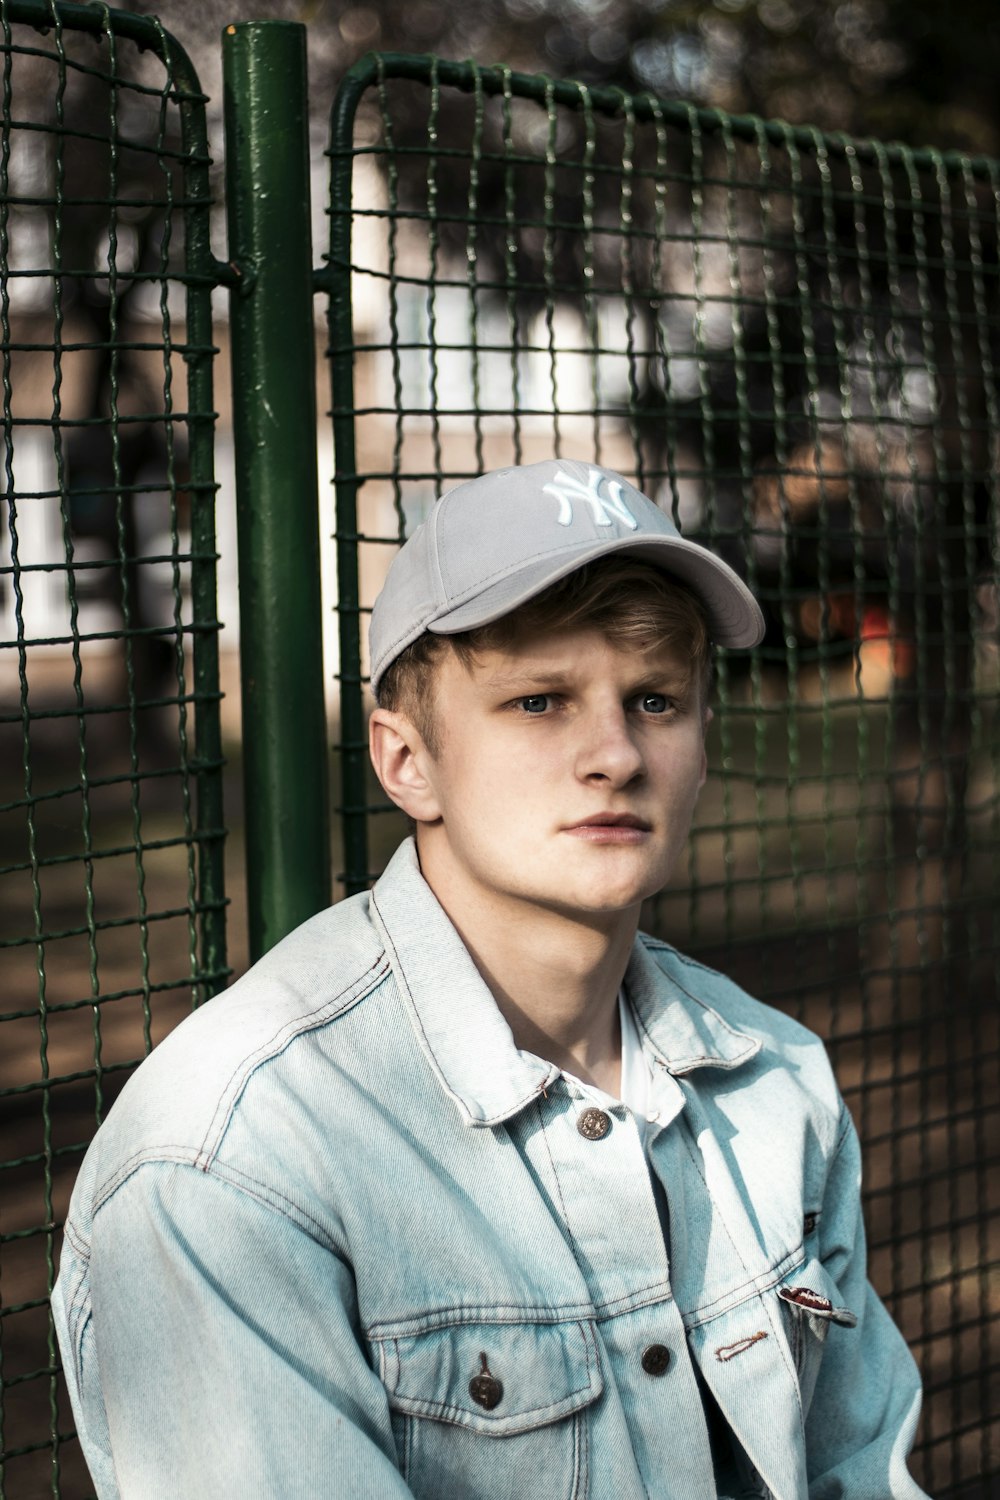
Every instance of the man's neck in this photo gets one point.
(554, 976)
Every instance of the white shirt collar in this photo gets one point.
(634, 1088)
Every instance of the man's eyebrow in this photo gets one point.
(527, 678)
(673, 676)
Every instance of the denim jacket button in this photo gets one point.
(486, 1391)
(655, 1359)
(593, 1124)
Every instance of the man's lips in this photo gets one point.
(610, 828)
(611, 820)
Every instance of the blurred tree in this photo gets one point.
(915, 70)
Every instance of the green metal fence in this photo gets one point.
(791, 340)
(111, 905)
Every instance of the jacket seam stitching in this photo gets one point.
(756, 1286)
(559, 1192)
(713, 1059)
(580, 1427)
(435, 1408)
(396, 962)
(79, 1332)
(843, 1135)
(509, 1109)
(386, 1332)
(219, 1172)
(583, 1426)
(754, 1043)
(282, 1038)
(81, 1247)
(516, 1313)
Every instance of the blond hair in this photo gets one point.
(632, 603)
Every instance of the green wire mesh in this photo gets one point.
(111, 903)
(792, 342)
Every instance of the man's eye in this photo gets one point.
(654, 703)
(536, 704)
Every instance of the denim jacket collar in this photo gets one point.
(681, 1030)
(467, 1041)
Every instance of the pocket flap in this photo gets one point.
(494, 1378)
(811, 1293)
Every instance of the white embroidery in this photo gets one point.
(606, 508)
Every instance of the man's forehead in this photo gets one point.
(571, 655)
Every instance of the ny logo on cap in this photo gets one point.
(606, 508)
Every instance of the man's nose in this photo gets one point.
(609, 750)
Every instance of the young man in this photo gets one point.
(466, 1191)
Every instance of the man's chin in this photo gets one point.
(594, 903)
(608, 890)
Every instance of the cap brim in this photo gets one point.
(734, 616)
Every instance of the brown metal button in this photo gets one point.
(809, 1223)
(484, 1388)
(594, 1124)
(655, 1359)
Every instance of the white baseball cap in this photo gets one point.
(493, 543)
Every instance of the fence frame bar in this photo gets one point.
(201, 272)
(335, 279)
(274, 427)
(201, 267)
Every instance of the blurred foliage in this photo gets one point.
(916, 70)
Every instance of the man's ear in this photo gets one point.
(402, 762)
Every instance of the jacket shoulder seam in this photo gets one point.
(287, 1033)
(240, 1182)
(846, 1127)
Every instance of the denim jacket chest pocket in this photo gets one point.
(490, 1407)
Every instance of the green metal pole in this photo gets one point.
(286, 775)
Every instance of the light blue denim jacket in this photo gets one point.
(337, 1194)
